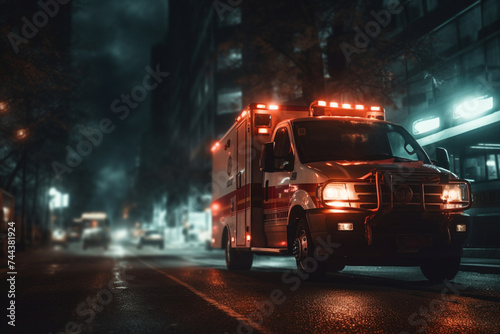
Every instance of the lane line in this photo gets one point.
(223, 308)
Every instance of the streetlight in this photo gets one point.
(3, 107)
(21, 134)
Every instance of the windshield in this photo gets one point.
(324, 140)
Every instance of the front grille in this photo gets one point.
(425, 192)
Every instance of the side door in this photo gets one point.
(242, 191)
(276, 203)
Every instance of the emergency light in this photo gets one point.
(321, 108)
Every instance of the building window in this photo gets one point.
(491, 12)
(474, 168)
(231, 18)
(415, 10)
(445, 40)
(431, 5)
(473, 63)
(470, 26)
(229, 59)
(229, 101)
(491, 166)
(493, 59)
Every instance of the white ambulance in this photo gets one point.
(333, 185)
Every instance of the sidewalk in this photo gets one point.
(481, 260)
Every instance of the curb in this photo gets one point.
(482, 253)
(480, 268)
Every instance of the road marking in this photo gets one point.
(223, 308)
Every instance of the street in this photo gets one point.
(188, 290)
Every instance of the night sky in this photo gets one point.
(114, 38)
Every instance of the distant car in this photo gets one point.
(96, 236)
(74, 234)
(152, 237)
(59, 237)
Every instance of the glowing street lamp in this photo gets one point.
(21, 134)
(3, 107)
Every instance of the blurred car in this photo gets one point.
(152, 237)
(59, 237)
(75, 230)
(96, 236)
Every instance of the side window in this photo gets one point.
(282, 149)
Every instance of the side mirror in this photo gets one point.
(267, 158)
(442, 158)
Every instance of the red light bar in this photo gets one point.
(334, 105)
(375, 108)
(346, 106)
(243, 114)
(261, 106)
(322, 103)
(360, 107)
(273, 107)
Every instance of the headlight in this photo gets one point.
(337, 194)
(455, 195)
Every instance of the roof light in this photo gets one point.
(375, 108)
(425, 125)
(322, 103)
(346, 106)
(263, 131)
(261, 106)
(273, 107)
(215, 146)
(243, 114)
(360, 107)
(334, 105)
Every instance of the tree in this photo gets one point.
(303, 50)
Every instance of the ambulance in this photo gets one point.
(335, 184)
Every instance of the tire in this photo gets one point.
(303, 251)
(437, 270)
(237, 260)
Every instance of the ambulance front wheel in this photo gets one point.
(437, 270)
(303, 251)
(237, 260)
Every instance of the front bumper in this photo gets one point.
(389, 238)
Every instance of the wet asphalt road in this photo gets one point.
(125, 290)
